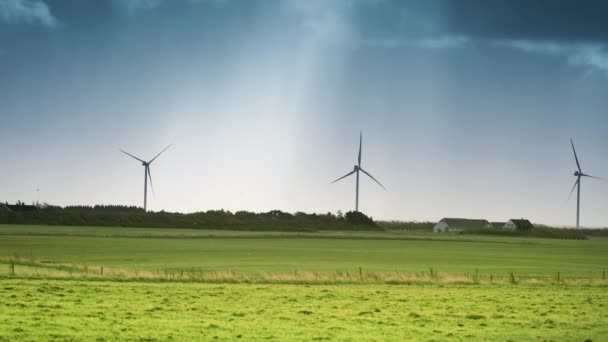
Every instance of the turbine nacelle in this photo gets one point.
(356, 168)
(576, 173)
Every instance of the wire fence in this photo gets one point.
(26, 268)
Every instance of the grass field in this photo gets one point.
(306, 286)
(92, 310)
(171, 249)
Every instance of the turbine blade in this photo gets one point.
(346, 175)
(132, 156)
(151, 185)
(372, 177)
(360, 144)
(161, 152)
(584, 175)
(576, 157)
(572, 191)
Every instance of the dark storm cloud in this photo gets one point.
(575, 31)
(557, 20)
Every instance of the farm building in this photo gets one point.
(521, 224)
(460, 224)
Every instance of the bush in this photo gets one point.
(358, 218)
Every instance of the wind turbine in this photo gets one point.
(147, 174)
(356, 170)
(577, 185)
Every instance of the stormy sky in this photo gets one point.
(467, 107)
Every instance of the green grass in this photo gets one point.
(133, 249)
(297, 286)
(88, 310)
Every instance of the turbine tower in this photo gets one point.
(147, 174)
(577, 185)
(357, 168)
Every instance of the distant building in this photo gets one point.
(460, 224)
(521, 224)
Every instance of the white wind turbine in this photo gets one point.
(147, 174)
(577, 185)
(356, 170)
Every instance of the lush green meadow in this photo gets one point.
(163, 284)
(97, 310)
(175, 249)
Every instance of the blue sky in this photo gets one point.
(466, 107)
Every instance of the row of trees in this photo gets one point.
(130, 216)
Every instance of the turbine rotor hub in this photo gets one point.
(577, 174)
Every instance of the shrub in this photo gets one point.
(358, 218)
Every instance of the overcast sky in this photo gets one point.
(467, 107)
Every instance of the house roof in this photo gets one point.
(465, 223)
(522, 223)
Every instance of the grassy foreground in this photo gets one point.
(105, 310)
(71, 283)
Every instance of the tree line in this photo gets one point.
(132, 216)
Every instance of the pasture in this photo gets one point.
(160, 250)
(163, 284)
(39, 309)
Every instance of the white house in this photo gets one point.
(521, 224)
(459, 225)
